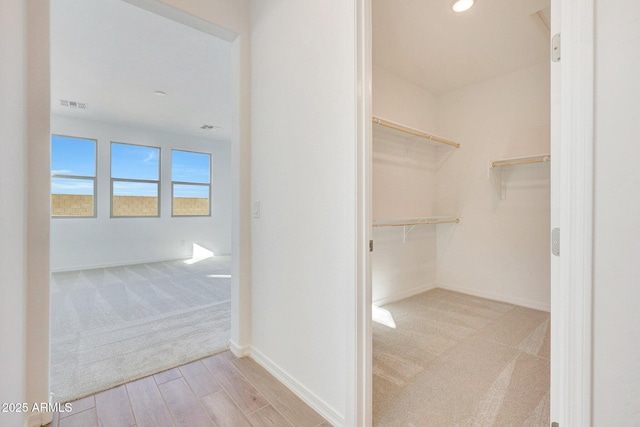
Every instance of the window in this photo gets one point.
(190, 183)
(73, 177)
(135, 180)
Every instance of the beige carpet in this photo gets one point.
(113, 325)
(458, 360)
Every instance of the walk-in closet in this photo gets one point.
(461, 213)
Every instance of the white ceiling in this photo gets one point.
(113, 56)
(426, 43)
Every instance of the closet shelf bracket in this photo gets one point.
(496, 167)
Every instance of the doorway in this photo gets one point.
(141, 195)
(424, 238)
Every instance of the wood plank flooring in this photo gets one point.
(218, 391)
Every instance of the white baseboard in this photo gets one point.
(239, 350)
(117, 264)
(38, 419)
(405, 294)
(298, 389)
(107, 265)
(497, 297)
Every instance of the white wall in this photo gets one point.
(501, 248)
(616, 342)
(103, 241)
(303, 173)
(13, 212)
(404, 186)
(24, 222)
(37, 197)
(398, 100)
(502, 244)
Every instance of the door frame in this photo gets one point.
(359, 391)
(571, 305)
(37, 27)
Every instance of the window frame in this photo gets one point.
(173, 183)
(94, 178)
(143, 181)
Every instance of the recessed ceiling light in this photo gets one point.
(159, 93)
(462, 5)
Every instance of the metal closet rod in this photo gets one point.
(401, 128)
(543, 158)
(405, 224)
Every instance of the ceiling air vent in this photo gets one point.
(74, 104)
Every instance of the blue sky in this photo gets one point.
(201, 191)
(135, 162)
(76, 157)
(73, 156)
(190, 167)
